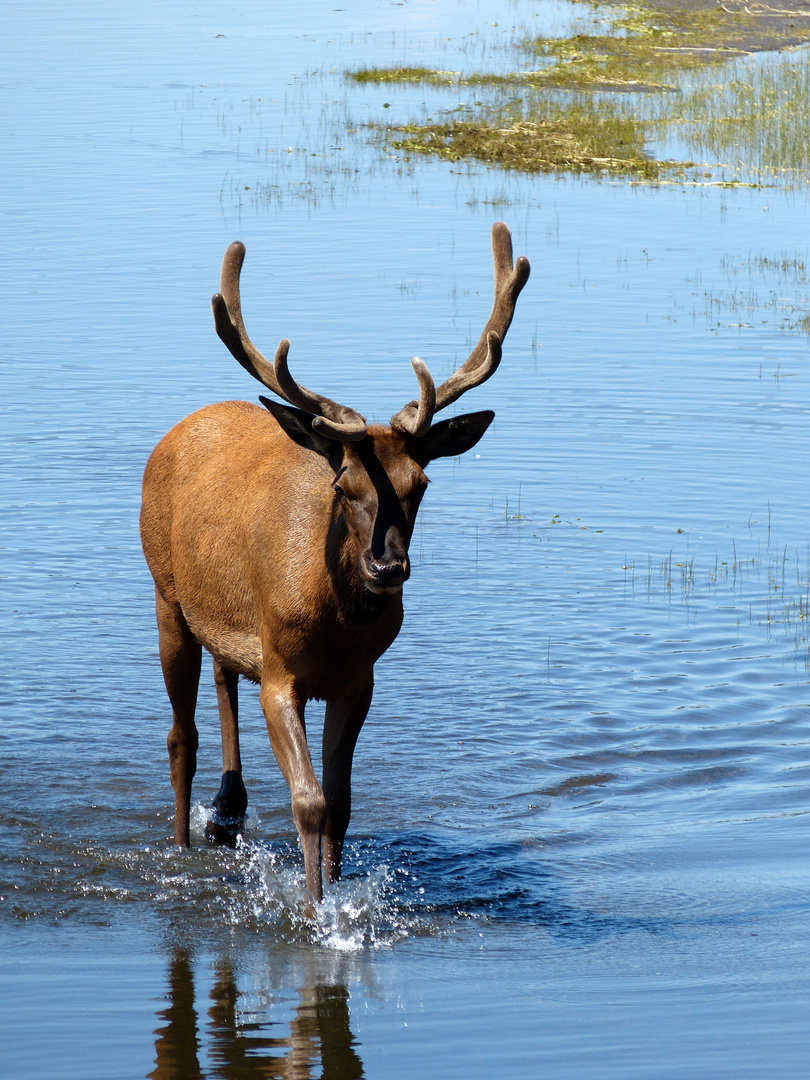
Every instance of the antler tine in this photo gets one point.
(483, 361)
(227, 308)
(335, 421)
(427, 398)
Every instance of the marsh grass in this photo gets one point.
(676, 79)
(760, 290)
(758, 115)
(767, 584)
(556, 139)
(649, 47)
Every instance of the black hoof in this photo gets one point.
(230, 804)
(225, 831)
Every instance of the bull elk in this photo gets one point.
(278, 539)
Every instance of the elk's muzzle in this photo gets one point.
(386, 575)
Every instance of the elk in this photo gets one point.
(278, 539)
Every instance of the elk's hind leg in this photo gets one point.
(231, 800)
(180, 658)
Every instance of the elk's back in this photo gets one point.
(233, 520)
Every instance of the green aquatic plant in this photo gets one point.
(405, 75)
(575, 140)
(595, 102)
(650, 46)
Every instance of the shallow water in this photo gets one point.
(580, 824)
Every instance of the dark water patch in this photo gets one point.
(575, 785)
(446, 884)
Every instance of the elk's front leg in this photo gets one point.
(342, 725)
(284, 712)
(231, 801)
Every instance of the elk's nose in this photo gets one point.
(392, 571)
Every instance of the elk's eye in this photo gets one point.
(341, 494)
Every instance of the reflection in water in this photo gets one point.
(239, 1048)
(177, 1044)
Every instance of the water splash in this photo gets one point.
(265, 890)
(361, 911)
(201, 815)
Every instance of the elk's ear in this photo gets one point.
(298, 425)
(452, 437)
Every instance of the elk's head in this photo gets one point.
(379, 471)
(379, 481)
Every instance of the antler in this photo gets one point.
(332, 420)
(483, 361)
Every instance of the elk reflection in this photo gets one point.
(319, 1038)
(177, 1043)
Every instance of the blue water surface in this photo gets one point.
(580, 825)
